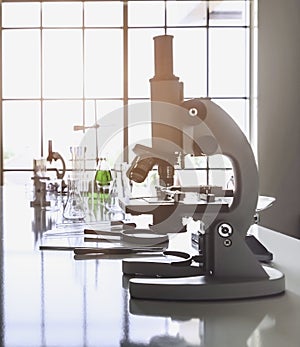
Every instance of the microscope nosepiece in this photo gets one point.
(140, 168)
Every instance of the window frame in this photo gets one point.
(126, 99)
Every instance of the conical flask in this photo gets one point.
(103, 178)
(112, 203)
(74, 208)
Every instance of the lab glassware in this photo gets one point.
(74, 208)
(103, 178)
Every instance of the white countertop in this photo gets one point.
(50, 299)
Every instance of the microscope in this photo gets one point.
(39, 182)
(224, 267)
(40, 179)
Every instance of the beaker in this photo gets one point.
(74, 208)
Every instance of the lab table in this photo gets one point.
(51, 299)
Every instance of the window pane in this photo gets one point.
(221, 178)
(219, 161)
(21, 137)
(62, 63)
(194, 172)
(185, 13)
(139, 125)
(103, 14)
(62, 14)
(238, 110)
(109, 141)
(96, 111)
(20, 15)
(227, 67)
(111, 138)
(189, 56)
(230, 13)
(146, 13)
(103, 63)
(141, 61)
(220, 170)
(21, 67)
(61, 116)
(19, 178)
(103, 113)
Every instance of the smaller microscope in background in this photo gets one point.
(41, 181)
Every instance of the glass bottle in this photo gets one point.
(103, 178)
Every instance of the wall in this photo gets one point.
(279, 112)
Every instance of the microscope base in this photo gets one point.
(203, 288)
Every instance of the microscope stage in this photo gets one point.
(153, 205)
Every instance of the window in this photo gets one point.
(68, 65)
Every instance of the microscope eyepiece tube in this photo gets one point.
(163, 57)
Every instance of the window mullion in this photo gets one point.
(125, 81)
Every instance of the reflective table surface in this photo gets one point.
(51, 299)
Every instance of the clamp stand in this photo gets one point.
(225, 267)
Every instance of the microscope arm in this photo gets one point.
(56, 156)
(215, 132)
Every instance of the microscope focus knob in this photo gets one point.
(225, 230)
